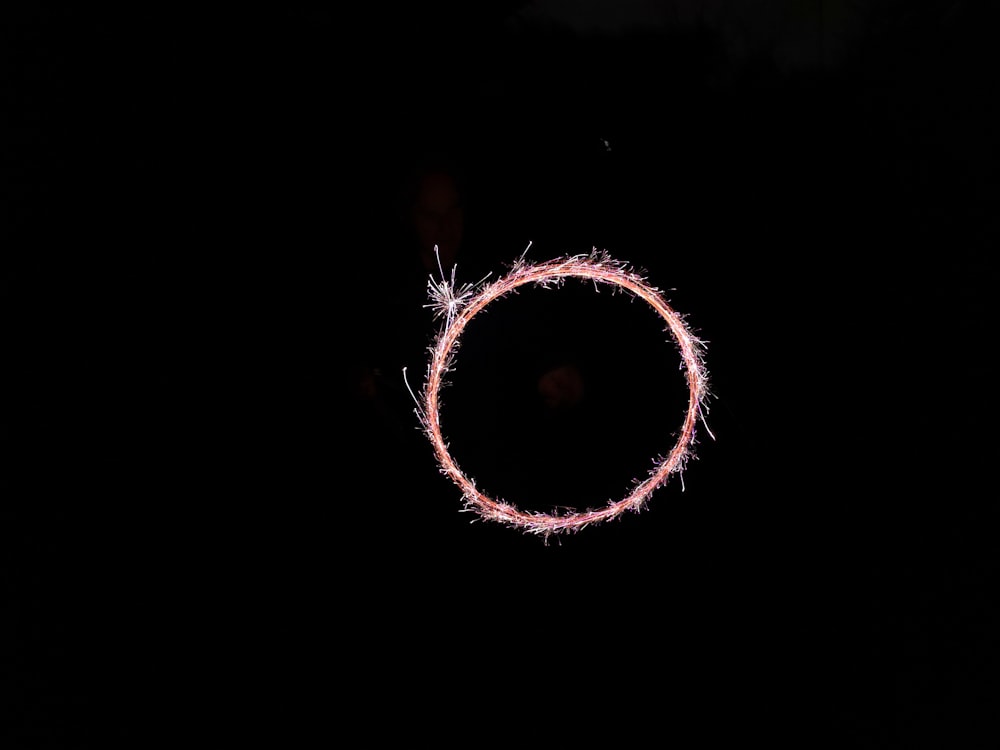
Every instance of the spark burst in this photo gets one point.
(457, 305)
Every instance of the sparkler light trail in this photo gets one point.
(456, 306)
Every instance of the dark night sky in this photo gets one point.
(198, 215)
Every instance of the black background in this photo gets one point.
(200, 539)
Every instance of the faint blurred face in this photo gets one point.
(438, 220)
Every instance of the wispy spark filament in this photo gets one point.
(459, 307)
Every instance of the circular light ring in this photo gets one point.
(458, 306)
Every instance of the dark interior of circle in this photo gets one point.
(561, 398)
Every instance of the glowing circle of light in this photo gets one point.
(457, 306)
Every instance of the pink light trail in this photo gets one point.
(458, 306)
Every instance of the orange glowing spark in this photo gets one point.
(458, 306)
